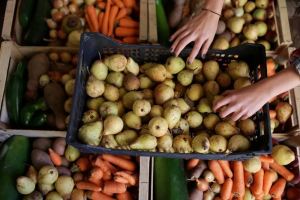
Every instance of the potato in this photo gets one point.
(65, 162)
(35, 195)
(70, 86)
(59, 146)
(62, 170)
(42, 144)
(40, 158)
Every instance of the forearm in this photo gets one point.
(214, 5)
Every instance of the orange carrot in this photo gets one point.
(216, 169)
(114, 187)
(108, 194)
(258, 179)
(270, 65)
(88, 20)
(112, 16)
(268, 181)
(84, 185)
(125, 157)
(93, 16)
(111, 168)
(226, 168)
(279, 198)
(278, 188)
(129, 23)
(106, 177)
(238, 187)
(131, 40)
(136, 7)
(96, 173)
(282, 171)
(78, 177)
(120, 41)
(93, 163)
(95, 181)
(105, 18)
(232, 197)
(121, 162)
(129, 3)
(226, 189)
(101, 5)
(100, 163)
(272, 114)
(126, 32)
(120, 179)
(259, 195)
(100, 195)
(271, 72)
(191, 164)
(122, 13)
(265, 166)
(82, 165)
(273, 99)
(266, 159)
(100, 19)
(55, 157)
(128, 177)
(136, 177)
(129, 10)
(55, 76)
(91, 157)
(248, 178)
(127, 17)
(124, 196)
(118, 3)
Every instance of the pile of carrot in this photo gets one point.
(107, 177)
(114, 20)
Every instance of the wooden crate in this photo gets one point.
(8, 19)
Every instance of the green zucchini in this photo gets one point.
(25, 12)
(13, 158)
(163, 30)
(169, 179)
(30, 109)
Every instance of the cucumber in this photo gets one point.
(25, 12)
(169, 179)
(163, 30)
(13, 158)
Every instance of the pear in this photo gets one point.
(172, 114)
(99, 70)
(182, 127)
(240, 3)
(131, 67)
(262, 3)
(238, 69)
(94, 87)
(238, 143)
(185, 77)
(199, 78)
(174, 65)
(200, 144)
(90, 116)
(145, 82)
(210, 70)
(126, 137)
(218, 144)
(121, 108)
(116, 62)
(262, 28)
(224, 80)
(35, 195)
(131, 97)
(45, 188)
(195, 92)
(116, 79)
(220, 44)
(252, 165)
(163, 93)
(180, 89)
(144, 142)
(205, 133)
(249, 6)
(131, 82)
(107, 109)
(211, 89)
(250, 31)
(164, 143)
(235, 24)
(169, 82)
(158, 126)
(247, 126)
(148, 95)
(248, 41)
(94, 103)
(235, 42)
(226, 130)
(241, 82)
(217, 98)
(229, 120)
(132, 120)
(196, 65)
(111, 93)
(283, 111)
(112, 125)
(182, 144)
(171, 102)
(145, 66)
(156, 73)
(266, 197)
(122, 92)
(146, 119)
(184, 107)
(141, 107)
(156, 111)
(53, 196)
(194, 119)
(108, 141)
(32, 173)
(283, 155)
(64, 186)
(248, 194)
(247, 17)
(204, 106)
(47, 175)
(169, 75)
(210, 121)
(90, 133)
(25, 185)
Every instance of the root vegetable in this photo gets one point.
(40, 158)
(35, 195)
(59, 146)
(62, 170)
(43, 144)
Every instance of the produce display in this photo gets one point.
(39, 93)
(61, 22)
(273, 176)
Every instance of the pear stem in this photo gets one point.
(100, 56)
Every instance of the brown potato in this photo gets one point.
(43, 144)
(65, 162)
(62, 170)
(40, 158)
(59, 146)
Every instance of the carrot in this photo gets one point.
(95, 181)
(248, 178)
(283, 95)
(55, 157)
(91, 11)
(259, 195)
(120, 179)
(226, 189)
(122, 13)
(238, 187)
(124, 196)
(125, 157)
(88, 20)
(278, 188)
(129, 23)
(100, 195)
(258, 179)
(118, 3)
(96, 173)
(137, 159)
(136, 177)
(136, 7)
(101, 5)
(84, 185)
(131, 40)
(216, 169)
(55, 76)
(268, 181)
(100, 163)
(112, 16)
(121, 162)
(84, 164)
(282, 171)
(226, 168)
(105, 18)
(93, 163)
(108, 194)
(100, 19)
(273, 99)
(265, 166)
(272, 114)
(191, 164)
(266, 159)
(270, 65)
(279, 198)
(120, 41)
(78, 177)
(106, 177)
(111, 168)
(126, 32)
(91, 157)
(128, 177)
(271, 72)
(127, 17)
(231, 197)
(114, 187)
(129, 3)
(128, 11)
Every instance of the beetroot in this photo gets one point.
(294, 164)
(293, 193)
(296, 178)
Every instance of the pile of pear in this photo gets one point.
(163, 107)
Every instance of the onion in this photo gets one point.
(61, 34)
(78, 2)
(51, 24)
(53, 34)
(239, 11)
(58, 4)
(208, 195)
(65, 57)
(208, 176)
(73, 8)
(202, 184)
(59, 16)
(53, 11)
(64, 10)
(75, 59)
(216, 188)
(83, 21)
(54, 56)
(65, 2)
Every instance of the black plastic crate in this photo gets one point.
(92, 43)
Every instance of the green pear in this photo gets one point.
(283, 111)
(204, 106)
(99, 70)
(185, 77)
(235, 42)
(218, 144)
(130, 97)
(182, 144)
(182, 127)
(132, 120)
(195, 92)
(226, 130)
(116, 63)
(283, 155)
(238, 69)
(262, 28)
(90, 133)
(249, 6)
(236, 24)
(163, 93)
(210, 70)
(141, 107)
(115, 79)
(194, 119)
(224, 80)
(156, 111)
(126, 137)
(262, 3)
(158, 126)
(210, 121)
(171, 102)
(211, 89)
(164, 143)
(107, 109)
(90, 116)
(172, 114)
(145, 82)
(196, 65)
(247, 127)
(131, 67)
(108, 141)
(184, 107)
(112, 125)
(174, 65)
(131, 82)
(200, 144)
(111, 93)
(144, 142)
(94, 103)
(169, 82)
(252, 165)
(199, 78)
(238, 143)
(241, 82)
(156, 73)
(94, 87)
(250, 31)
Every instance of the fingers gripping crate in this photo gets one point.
(92, 43)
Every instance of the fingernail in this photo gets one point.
(171, 50)
(189, 63)
(170, 39)
(203, 56)
(174, 55)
